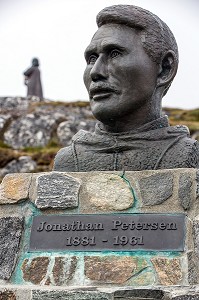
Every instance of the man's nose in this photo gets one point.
(99, 70)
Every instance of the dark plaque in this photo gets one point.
(115, 232)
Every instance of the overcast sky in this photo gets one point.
(58, 31)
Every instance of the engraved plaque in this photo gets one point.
(114, 232)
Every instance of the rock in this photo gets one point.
(13, 103)
(67, 129)
(7, 295)
(70, 295)
(14, 188)
(35, 270)
(10, 234)
(184, 191)
(112, 269)
(193, 268)
(107, 193)
(156, 189)
(169, 271)
(64, 269)
(3, 120)
(21, 165)
(140, 294)
(88, 125)
(190, 296)
(56, 190)
(196, 236)
(197, 187)
(33, 130)
(65, 132)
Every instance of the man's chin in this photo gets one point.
(105, 115)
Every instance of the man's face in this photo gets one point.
(120, 77)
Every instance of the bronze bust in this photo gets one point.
(131, 62)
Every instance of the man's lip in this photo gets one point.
(100, 93)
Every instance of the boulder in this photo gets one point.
(32, 130)
(3, 120)
(22, 165)
(67, 129)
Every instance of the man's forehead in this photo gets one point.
(115, 34)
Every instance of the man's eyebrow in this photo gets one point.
(108, 46)
(105, 46)
(89, 50)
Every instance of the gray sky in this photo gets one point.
(58, 31)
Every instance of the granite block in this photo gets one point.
(112, 269)
(14, 188)
(7, 295)
(107, 192)
(156, 188)
(64, 270)
(184, 191)
(10, 235)
(56, 190)
(169, 271)
(35, 270)
(71, 295)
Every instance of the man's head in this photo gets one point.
(131, 62)
(35, 62)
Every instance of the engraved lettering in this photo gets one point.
(41, 228)
(48, 227)
(172, 226)
(139, 226)
(57, 227)
(140, 240)
(132, 225)
(98, 226)
(125, 232)
(84, 241)
(125, 226)
(66, 227)
(116, 223)
(162, 226)
(146, 226)
(89, 226)
(154, 226)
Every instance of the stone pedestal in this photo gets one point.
(65, 274)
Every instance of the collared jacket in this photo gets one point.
(155, 145)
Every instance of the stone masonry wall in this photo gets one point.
(102, 274)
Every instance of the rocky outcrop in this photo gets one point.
(29, 123)
(21, 165)
(33, 130)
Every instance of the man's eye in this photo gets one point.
(92, 59)
(114, 53)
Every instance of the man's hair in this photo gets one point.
(156, 37)
(35, 62)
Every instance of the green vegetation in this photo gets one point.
(190, 118)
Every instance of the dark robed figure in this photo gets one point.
(33, 80)
(131, 62)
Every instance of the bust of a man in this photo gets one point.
(131, 61)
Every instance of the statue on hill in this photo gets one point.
(131, 60)
(33, 80)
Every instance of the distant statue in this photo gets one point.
(33, 80)
(131, 62)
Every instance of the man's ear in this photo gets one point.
(168, 69)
